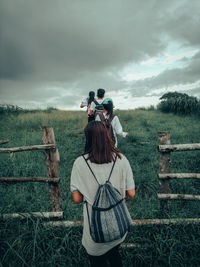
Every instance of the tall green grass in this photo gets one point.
(33, 244)
(30, 243)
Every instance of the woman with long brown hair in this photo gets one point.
(100, 155)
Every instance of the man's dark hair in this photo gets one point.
(100, 93)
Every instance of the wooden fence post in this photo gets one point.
(52, 161)
(164, 167)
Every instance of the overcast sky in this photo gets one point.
(52, 53)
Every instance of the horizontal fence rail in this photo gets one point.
(178, 196)
(9, 180)
(180, 147)
(45, 215)
(4, 141)
(179, 175)
(135, 222)
(27, 148)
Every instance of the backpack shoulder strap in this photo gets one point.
(102, 118)
(91, 170)
(112, 168)
(96, 103)
(111, 117)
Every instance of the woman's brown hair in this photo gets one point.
(99, 146)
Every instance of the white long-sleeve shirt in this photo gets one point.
(116, 125)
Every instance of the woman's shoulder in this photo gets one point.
(79, 160)
(123, 159)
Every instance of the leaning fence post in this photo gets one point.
(52, 161)
(164, 167)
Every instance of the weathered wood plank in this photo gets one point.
(135, 222)
(179, 147)
(26, 148)
(65, 223)
(179, 175)
(4, 141)
(165, 221)
(52, 161)
(178, 196)
(9, 180)
(46, 215)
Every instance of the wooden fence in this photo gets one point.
(52, 161)
(164, 186)
(164, 176)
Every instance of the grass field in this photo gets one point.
(30, 243)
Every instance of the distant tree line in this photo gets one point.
(14, 109)
(179, 103)
(6, 109)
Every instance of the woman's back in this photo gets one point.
(83, 181)
(82, 178)
(100, 154)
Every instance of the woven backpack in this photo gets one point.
(110, 218)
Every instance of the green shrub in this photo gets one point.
(7, 109)
(179, 103)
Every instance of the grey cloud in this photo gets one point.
(182, 22)
(59, 42)
(18, 90)
(13, 63)
(67, 101)
(194, 92)
(74, 45)
(171, 77)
